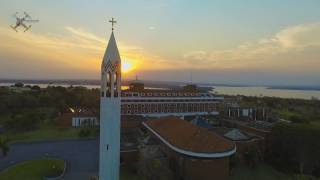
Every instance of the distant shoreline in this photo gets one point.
(157, 84)
(302, 88)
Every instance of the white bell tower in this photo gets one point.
(109, 160)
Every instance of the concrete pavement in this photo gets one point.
(82, 156)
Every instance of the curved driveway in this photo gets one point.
(81, 155)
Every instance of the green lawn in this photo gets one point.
(33, 170)
(263, 172)
(44, 133)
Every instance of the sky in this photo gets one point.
(268, 42)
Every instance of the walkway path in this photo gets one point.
(81, 155)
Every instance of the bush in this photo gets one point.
(298, 119)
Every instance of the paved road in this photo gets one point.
(81, 155)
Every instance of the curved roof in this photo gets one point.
(186, 138)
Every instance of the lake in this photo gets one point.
(227, 90)
(264, 91)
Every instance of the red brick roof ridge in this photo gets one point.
(197, 140)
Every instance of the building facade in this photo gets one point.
(78, 117)
(157, 103)
(247, 113)
(84, 121)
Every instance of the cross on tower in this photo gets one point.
(112, 23)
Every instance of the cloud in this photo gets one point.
(80, 33)
(78, 51)
(151, 28)
(264, 51)
(197, 55)
(301, 36)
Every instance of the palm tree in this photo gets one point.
(4, 146)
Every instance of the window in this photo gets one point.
(115, 86)
(108, 85)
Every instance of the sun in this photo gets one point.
(126, 66)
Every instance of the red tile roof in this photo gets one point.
(189, 137)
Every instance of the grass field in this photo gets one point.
(43, 133)
(33, 170)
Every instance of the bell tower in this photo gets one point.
(111, 71)
(109, 159)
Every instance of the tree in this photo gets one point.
(19, 84)
(151, 166)
(4, 146)
(23, 121)
(294, 147)
(36, 88)
(191, 88)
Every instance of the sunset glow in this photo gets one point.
(223, 47)
(126, 66)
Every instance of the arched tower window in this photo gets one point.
(115, 85)
(108, 84)
(103, 85)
